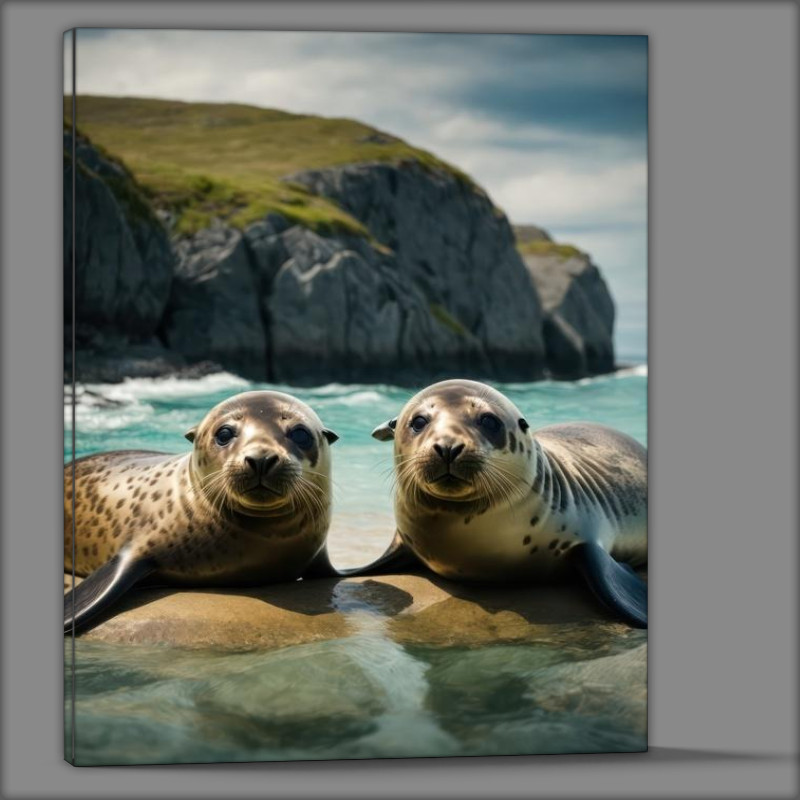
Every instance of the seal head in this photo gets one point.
(261, 453)
(460, 446)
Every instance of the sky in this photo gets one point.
(553, 127)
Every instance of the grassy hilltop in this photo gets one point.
(205, 160)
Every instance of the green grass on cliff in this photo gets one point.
(205, 160)
(541, 247)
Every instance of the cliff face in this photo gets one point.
(578, 312)
(436, 289)
(456, 249)
(280, 302)
(124, 261)
(213, 306)
(339, 309)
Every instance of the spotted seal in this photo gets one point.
(481, 497)
(250, 504)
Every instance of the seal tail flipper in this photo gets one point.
(103, 588)
(615, 585)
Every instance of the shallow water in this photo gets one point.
(576, 688)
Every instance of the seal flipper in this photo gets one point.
(617, 586)
(321, 567)
(103, 588)
(397, 558)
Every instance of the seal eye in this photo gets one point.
(301, 437)
(490, 423)
(418, 423)
(224, 435)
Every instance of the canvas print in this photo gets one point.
(355, 372)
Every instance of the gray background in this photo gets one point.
(723, 434)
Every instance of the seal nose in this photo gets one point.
(448, 452)
(261, 466)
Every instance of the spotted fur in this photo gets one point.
(195, 514)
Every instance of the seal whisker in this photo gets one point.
(517, 485)
(311, 493)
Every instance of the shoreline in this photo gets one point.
(207, 369)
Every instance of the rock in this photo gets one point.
(123, 258)
(613, 686)
(339, 311)
(123, 271)
(578, 313)
(114, 362)
(436, 289)
(457, 250)
(267, 253)
(213, 312)
(400, 665)
(408, 609)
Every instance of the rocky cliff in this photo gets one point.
(578, 309)
(424, 281)
(124, 265)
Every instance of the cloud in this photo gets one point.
(558, 197)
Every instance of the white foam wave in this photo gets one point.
(88, 419)
(361, 398)
(133, 390)
(95, 397)
(636, 369)
(336, 389)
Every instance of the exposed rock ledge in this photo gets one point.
(415, 609)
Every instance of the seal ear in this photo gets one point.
(191, 433)
(330, 435)
(523, 424)
(386, 431)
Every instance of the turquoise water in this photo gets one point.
(373, 694)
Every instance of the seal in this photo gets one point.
(482, 497)
(250, 504)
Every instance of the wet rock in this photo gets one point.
(113, 362)
(400, 665)
(592, 687)
(408, 609)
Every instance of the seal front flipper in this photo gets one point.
(103, 588)
(616, 586)
(321, 567)
(397, 558)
